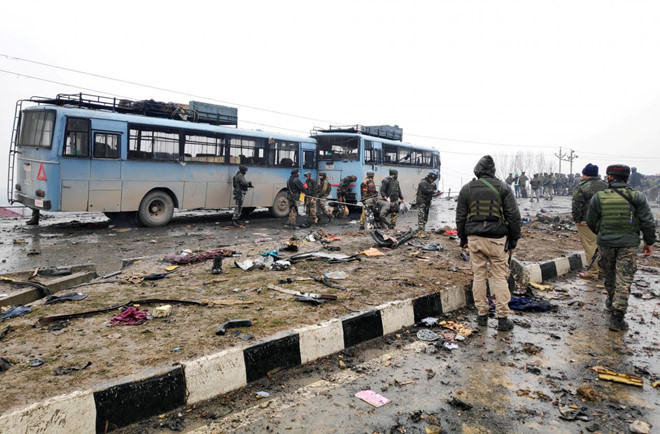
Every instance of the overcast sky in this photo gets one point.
(466, 77)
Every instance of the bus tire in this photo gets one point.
(156, 209)
(280, 206)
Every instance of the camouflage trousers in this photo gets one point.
(239, 208)
(310, 210)
(423, 209)
(618, 266)
(293, 211)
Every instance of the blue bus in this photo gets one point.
(144, 159)
(357, 149)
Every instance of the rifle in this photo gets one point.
(593, 259)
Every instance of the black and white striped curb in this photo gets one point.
(156, 391)
(537, 273)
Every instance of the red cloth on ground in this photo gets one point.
(131, 316)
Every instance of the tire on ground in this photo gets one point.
(156, 209)
(280, 206)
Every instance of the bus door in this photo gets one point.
(75, 165)
(108, 139)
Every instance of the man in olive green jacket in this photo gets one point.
(618, 214)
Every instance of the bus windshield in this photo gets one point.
(338, 148)
(36, 128)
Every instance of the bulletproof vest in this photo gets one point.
(393, 189)
(535, 182)
(485, 204)
(618, 216)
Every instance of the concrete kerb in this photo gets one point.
(158, 390)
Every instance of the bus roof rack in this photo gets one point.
(194, 112)
(380, 131)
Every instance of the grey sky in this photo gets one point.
(525, 75)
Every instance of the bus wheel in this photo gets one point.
(280, 206)
(156, 209)
(122, 218)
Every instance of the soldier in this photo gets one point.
(523, 184)
(390, 189)
(294, 188)
(426, 191)
(636, 179)
(383, 209)
(367, 191)
(488, 223)
(516, 185)
(509, 179)
(535, 184)
(343, 189)
(617, 214)
(590, 185)
(240, 189)
(311, 188)
(324, 188)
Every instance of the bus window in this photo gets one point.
(36, 129)
(337, 148)
(77, 137)
(371, 154)
(247, 150)
(390, 154)
(309, 162)
(206, 149)
(148, 143)
(106, 145)
(405, 156)
(422, 158)
(283, 154)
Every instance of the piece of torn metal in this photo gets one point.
(301, 294)
(617, 377)
(72, 296)
(61, 370)
(331, 258)
(232, 324)
(389, 241)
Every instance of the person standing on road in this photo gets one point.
(311, 188)
(488, 224)
(294, 189)
(240, 189)
(324, 188)
(516, 185)
(535, 184)
(426, 191)
(343, 189)
(618, 214)
(636, 179)
(367, 191)
(390, 189)
(523, 184)
(590, 185)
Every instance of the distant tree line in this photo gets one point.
(528, 162)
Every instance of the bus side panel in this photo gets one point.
(75, 184)
(105, 196)
(218, 184)
(105, 173)
(194, 195)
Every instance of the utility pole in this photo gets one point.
(572, 156)
(561, 157)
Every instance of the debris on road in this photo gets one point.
(15, 311)
(389, 241)
(65, 371)
(371, 397)
(130, 316)
(427, 335)
(457, 327)
(300, 294)
(372, 252)
(191, 259)
(162, 311)
(232, 324)
(72, 296)
(541, 287)
(616, 377)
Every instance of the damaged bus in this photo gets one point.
(143, 159)
(357, 149)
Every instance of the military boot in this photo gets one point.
(608, 304)
(617, 323)
(504, 324)
(482, 320)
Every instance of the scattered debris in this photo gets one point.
(331, 258)
(189, 258)
(130, 316)
(300, 294)
(324, 280)
(449, 346)
(430, 321)
(640, 427)
(391, 242)
(290, 246)
(72, 296)
(162, 311)
(15, 311)
(217, 265)
(587, 393)
(541, 287)
(36, 362)
(232, 324)
(431, 247)
(371, 252)
(5, 332)
(530, 304)
(458, 401)
(372, 398)
(531, 349)
(65, 371)
(4, 364)
(616, 377)
(427, 335)
(459, 328)
(570, 411)
(261, 395)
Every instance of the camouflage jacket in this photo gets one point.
(582, 195)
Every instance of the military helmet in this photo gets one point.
(433, 175)
(295, 171)
(370, 174)
(620, 170)
(394, 172)
(353, 178)
(322, 175)
(307, 173)
(242, 168)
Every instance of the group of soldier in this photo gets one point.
(610, 215)
(380, 206)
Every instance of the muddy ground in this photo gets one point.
(117, 351)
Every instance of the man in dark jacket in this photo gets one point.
(590, 185)
(311, 188)
(294, 189)
(343, 189)
(390, 189)
(618, 214)
(367, 191)
(426, 191)
(240, 189)
(324, 188)
(488, 224)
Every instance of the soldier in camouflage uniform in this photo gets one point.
(618, 214)
(343, 189)
(311, 188)
(390, 189)
(324, 189)
(590, 185)
(367, 191)
(426, 191)
(294, 189)
(240, 188)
